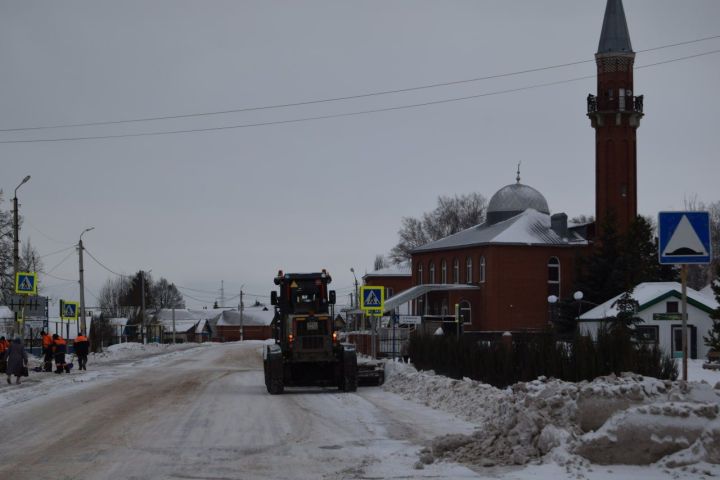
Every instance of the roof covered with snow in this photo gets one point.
(255, 315)
(527, 228)
(185, 320)
(5, 312)
(648, 294)
(400, 270)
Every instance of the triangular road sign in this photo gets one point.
(684, 238)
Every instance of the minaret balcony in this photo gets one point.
(626, 103)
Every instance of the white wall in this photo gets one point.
(696, 317)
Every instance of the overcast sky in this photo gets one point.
(238, 204)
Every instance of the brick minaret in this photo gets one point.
(615, 115)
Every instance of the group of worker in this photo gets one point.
(14, 359)
(55, 348)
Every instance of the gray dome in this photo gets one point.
(514, 199)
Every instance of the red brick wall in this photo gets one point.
(514, 294)
(397, 283)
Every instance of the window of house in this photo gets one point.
(554, 276)
(468, 270)
(465, 312)
(443, 271)
(444, 307)
(420, 274)
(481, 270)
(456, 271)
(672, 307)
(647, 333)
(388, 292)
(432, 272)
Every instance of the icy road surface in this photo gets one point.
(204, 413)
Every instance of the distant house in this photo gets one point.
(187, 326)
(254, 323)
(660, 310)
(396, 279)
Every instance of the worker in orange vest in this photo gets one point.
(47, 348)
(80, 346)
(59, 351)
(4, 345)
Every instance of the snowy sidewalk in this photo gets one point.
(115, 360)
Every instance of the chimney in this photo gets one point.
(558, 223)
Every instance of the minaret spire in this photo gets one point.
(614, 37)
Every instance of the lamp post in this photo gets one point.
(241, 307)
(357, 299)
(82, 283)
(552, 301)
(16, 228)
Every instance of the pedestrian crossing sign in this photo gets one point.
(26, 283)
(372, 299)
(69, 310)
(684, 237)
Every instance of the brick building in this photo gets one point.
(501, 273)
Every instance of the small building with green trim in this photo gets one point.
(660, 308)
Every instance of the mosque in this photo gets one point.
(499, 274)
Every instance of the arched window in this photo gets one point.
(465, 312)
(419, 274)
(468, 270)
(554, 276)
(444, 307)
(481, 270)
(456, 271)
(443, 271)
(432, 272)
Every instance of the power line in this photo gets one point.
(341, 98)
(61, 262)
(25, 220)
(55, 253)
(103, 266)
(346, 114)
(59, 278)
(194, 289)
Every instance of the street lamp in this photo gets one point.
(82, 283)
(16, 228)
(357, 299)
(552, 300)
(241, 307)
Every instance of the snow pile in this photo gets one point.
(134, 350)
(626, 419)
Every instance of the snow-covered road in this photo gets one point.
(204, 413)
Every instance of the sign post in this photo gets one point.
(684, 238)
(372, 301)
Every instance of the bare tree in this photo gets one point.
(6, 260)
(380, 262)
(451, 215)
(111, 297)
(166, 295)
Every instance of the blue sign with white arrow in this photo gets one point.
(684, 238)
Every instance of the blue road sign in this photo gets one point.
(684, 237)
(372, 298)
(26, 283)
(69, 310)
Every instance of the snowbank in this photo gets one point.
(628, 419)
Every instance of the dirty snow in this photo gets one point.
(670, 426)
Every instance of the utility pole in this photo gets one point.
(16, 229)
(222, 293)
(142, 306)
(173, 319)
(83, 325)
(242, 307)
